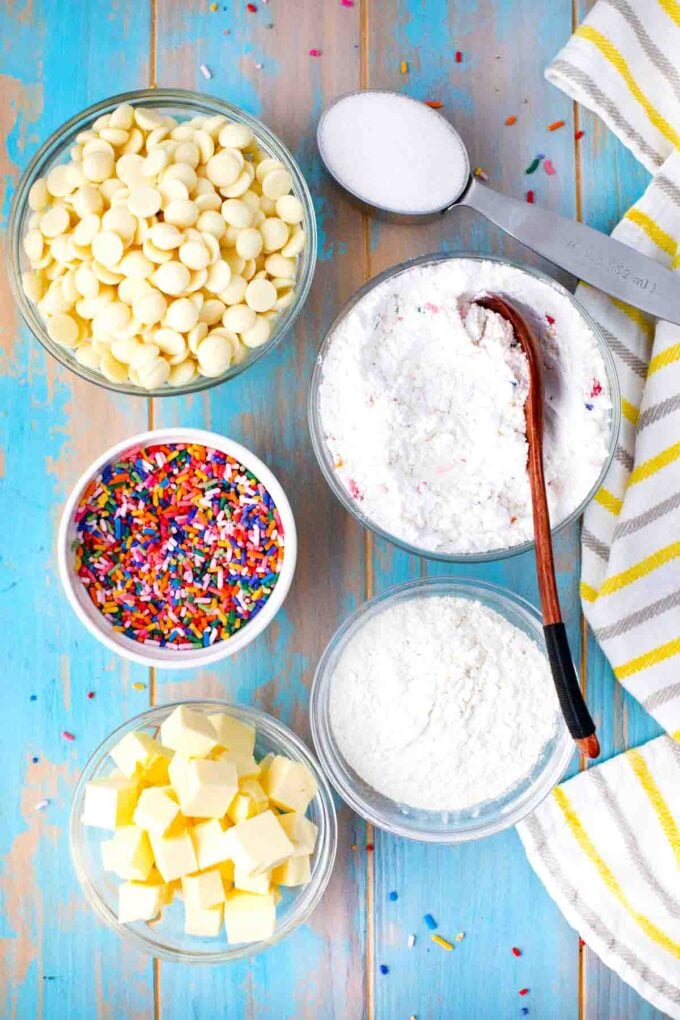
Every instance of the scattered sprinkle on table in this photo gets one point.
(90, 695)
(530, 197)
(213, 7)
(403, 67)
(370, 848)
(411, 941)
(259, 67)
(347, 3)
(510, 121)
(41, 805)
(581, 943)
(33, 697)
(177, 545)
(524, 1011)
(482, 174)
(384, 969)
(35, 759)
(205, 71)
(459, 57)
(549, 168)
(393, 896)
(444, 943)
(533, 166)
(252, 8)
(430, 921)
(67, 736)
(578, 135)
(138, 687)
(556, 125)
(516, 951)
(434, 104)
(314, 53)
(523, 991)
(460, 936)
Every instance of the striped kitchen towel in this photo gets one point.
(606, 845)
(623, 63)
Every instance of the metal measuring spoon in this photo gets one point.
(418, 159)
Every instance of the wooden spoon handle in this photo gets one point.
(574, 709)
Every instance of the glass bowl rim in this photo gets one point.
(54, 147)
(320, 446)
(305, 902)
(331, 758)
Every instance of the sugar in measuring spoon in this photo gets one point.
(405, 160)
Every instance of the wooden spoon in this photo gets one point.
(574, 709)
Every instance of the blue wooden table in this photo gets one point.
(56, 960)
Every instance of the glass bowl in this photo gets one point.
(166, 938)
(325, 459)
(182, 104)
(400, 819)
(151, 655)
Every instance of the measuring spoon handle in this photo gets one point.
(590, 255)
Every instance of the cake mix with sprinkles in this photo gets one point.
(178, 545)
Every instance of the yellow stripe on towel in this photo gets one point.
(604, 871)
(664, 358)
(629, 411)
(653, 231)
(661, 808)
(607, 48)
(609, 501)
(647, 659)
(588, 593)
(640, 569)
(672, 9)
(654, 464)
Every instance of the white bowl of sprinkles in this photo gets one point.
(225, 623)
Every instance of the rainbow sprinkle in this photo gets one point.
(177, 545)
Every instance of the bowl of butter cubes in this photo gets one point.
(203, 832)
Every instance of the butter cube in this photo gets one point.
(156, 772)
(203, 890)
(249, 917)
(128, 853)
(289, 784)
(207, 922)
(174, 854)
(253, 883)
(139, 901)
(208, 788)
(246, 766)
(110, 801)
(258, 844)
(294, 871)
(233, 734)
(250, 800)
(177, 772)
(134, 751)
(156, 809)
(189, 732)
(301, 831)
(210, 845)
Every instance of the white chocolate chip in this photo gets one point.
(172, 278)
(260, 295)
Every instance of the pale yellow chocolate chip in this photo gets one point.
(194, 254)
(86, 230)
(63, 329)
(260, 295)
(238, 318)
(237, 213)
(165, 236)
(38, 196)
(219, 275)
(182, 315)
(182, 374)
(275, 234)
(112, 369)
(289, 208)
(181, 212)
(144, 201)
(34, 244)
(107, 248)
(235, 290)
(55, 221)
(258, 333)
(150, 307)
(172, 278)
(214, 356)
(222, 170)
(249, 243)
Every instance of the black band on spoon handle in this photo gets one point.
(574, 708)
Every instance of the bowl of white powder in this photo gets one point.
(417, 407)
(433, 711)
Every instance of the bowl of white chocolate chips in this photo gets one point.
(161, 241)
(203, 831)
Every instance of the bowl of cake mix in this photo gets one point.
(417, 400)
(433, 711)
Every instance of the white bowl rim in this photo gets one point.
(165, 658)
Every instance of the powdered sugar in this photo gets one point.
(440, 703)
(421, 402)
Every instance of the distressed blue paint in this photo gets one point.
(70, 962)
